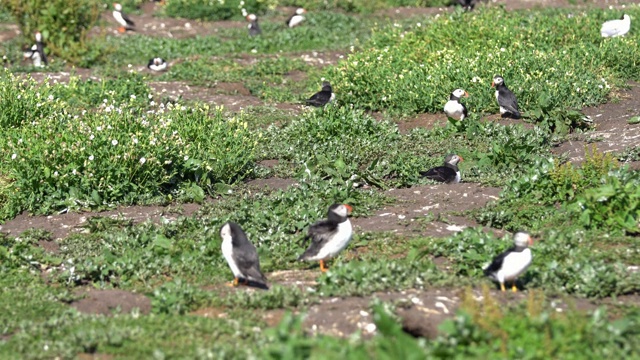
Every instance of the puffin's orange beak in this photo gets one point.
(466, 94)
(493, 84)
(461, 159)
(530, 241)
(349, 208)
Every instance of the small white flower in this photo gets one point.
(91, 157)
(55, 174)
(150, 96)
(503, 49)
(99, 128)
(74, 171)
(129, 66)
(133, 96)
(186, 157)
(135, 140)
(142, 160)
(91, 137)
(50, 98)
(114, 142)
(14, 156)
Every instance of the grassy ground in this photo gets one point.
(230, 136)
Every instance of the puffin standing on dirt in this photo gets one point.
(122, 19)
(296, 18)
(448, 173)
(241, 256)
(157, 64)
(254, 28)
(468, 5)
(40, 48)
(506, 99)
(329, 237)
(322, 97)
(511, 263)
(454, 108)
(613, 28)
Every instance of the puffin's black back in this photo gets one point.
(245, 256)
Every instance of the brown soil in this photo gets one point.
(272, 183)
(176, 90)
(434, 201)
(105, 302)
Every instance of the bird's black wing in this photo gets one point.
(40, 49)
(440, 173)
(289, 19)
(496, 264)
(319, 99)
(246, 258)
(508, 100)
(127, 19)
(255, 29)
(319, 233)
(464, 110)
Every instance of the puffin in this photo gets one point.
(122, 19)
(506, 99)
(40, 48)
(468, 5)
(33, 54)
(322, 97)
(454, 108)
(296, 18)
(513, 262)
(254, 28)
(157, 64)
(329, 237)
(448, 173)
(613, 28)
(241, 256)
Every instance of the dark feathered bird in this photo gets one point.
(241, 256)
(322, 97)
(512, 263)
(506, 99)
(468, 5)
(40, 48)
(329, 237)
(254, 28)
(448, 173)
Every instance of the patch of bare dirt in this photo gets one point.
(272, 183)
(232, 89)
(94, 356)
(105, 302)
(427, 121)
(612, 132)
(9, 31)
(64, 224)
(176, 90)
(429, 200)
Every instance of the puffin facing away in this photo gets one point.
(296, 18)
(454, 108)
(468, 5)
(448, 173)
(254, 28)
(322, 97)
(506, 99)
(241, 256)
(329, 237)
(511, 263)
(122, 19)
(40, 48)
(157, 64)
(613, 28)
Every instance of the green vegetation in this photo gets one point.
(108, 139)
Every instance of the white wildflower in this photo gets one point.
(114, 142)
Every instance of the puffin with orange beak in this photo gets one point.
(454, 108)
(448, 173)
(254, 28)
(506, 99)
(122, 19)
(329, 237)
(513, 262)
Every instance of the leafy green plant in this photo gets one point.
(557, 120)
(215, 10)
(176, 297)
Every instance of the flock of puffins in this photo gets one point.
(328, 237)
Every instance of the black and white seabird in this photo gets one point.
(254, 28)
(33, 55)
(448, 173)
(241, 256)
(511, 263)
(506, 99)
(468, 5)
(454, 108)
(122, 19)
(619, 27)
(296, 18)
(40, 48)
(322, 97)
(157, 64)
(329, 237)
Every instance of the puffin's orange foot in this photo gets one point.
(502, 287)
(323, 268)
(122, 29)
(514, 288)
(233, 283)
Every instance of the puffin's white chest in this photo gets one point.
(296, 20)
(227, 252)
(338, 243)
(457, 179)
(514, 264)
(160, 67)
(333, 97)
(615, 28)
(454, 109)
(118, 16)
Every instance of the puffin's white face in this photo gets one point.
(38, 37)
(300, 11)
(157, 61)
(117, 6)
(225, 232)
(252, 17)
(343, 210)
(522, 239)
(455, 159)
(460, 93)
(498, 80)
(626, 17)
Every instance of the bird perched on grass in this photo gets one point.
(241, 256)
(454, 108)
(122, 19)
(297, 18)
(254, 28)
(511, 263)
(506, 99)
(468, 5)
(619, 27)
(448, 173)
(157, 64)
(322, 97)
(36, 52)
(329, 237)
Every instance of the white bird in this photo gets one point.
(619, 27)
(454, 108)
(511, 263)
(296, 18)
